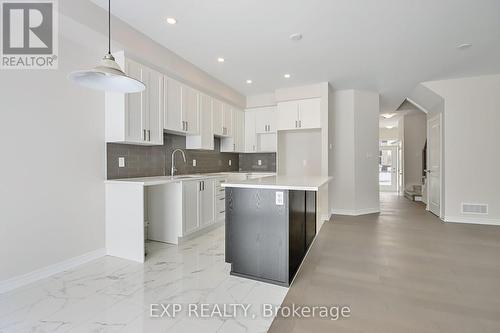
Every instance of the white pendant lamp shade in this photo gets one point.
(108, 76)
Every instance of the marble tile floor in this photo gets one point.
(114, 295)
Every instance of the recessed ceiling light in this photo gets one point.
(296, 37)
(389, 127)
(388, 115)
(464, 46)
(249, 81)
(220, 59)
(287, 76)
(171, 20)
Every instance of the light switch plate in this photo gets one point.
(194, 162)
(259, 162)
(279, 198)
(121, 162)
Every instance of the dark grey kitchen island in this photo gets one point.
(270, 224)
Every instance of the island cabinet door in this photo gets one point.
(257, 234)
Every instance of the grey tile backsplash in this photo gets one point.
(146, 161)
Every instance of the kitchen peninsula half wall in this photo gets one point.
(150, 161)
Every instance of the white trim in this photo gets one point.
(22, 280)
(325, 217)
(355, 212)
(471, 220)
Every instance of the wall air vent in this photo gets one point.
(468, 208)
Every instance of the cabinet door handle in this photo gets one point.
(143, 135)
(187, 126)
(203, 182)
(296, 124)
(300, 123)
(149, 135)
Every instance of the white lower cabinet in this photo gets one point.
(190, 206)
(198, 204)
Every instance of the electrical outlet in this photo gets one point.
(194, 162)
(121, 162)
(230, 162)
(259, 162)
(279, 198)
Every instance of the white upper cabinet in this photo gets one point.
(265, 119)
(235, 142)
(310, 113)
(136, 118)
(301, 114)
(190, 109)
(174, 117)
(181, 111)
(205, 138)
(217, 117)
(250, 132)
(227, 120)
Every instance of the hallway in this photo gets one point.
(400, 271)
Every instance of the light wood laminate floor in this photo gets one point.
(400, 271)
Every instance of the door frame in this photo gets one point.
(441, 160)
(395, 158)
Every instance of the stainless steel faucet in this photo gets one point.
(173, 170)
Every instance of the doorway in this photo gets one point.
(433, 171)
(388, 168)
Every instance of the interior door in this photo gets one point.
(434, 165)
(388, 168)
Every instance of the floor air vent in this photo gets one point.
(474, 208)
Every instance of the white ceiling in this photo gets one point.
(382, 45)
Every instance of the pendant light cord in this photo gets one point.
(109, 26)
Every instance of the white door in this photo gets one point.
(434, 165)
(250, 136)
(310, 113)
(190, 202)
(388, 168)
(207, 202)
(173, 108)
(287, 115)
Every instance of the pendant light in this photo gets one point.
(108, 76)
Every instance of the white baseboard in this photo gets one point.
(471, 220)
(325, 217)
(22, 280)
(355, 212)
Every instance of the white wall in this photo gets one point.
(471, 151)
(355, 188)
(389, 133)
(415, 135)
(261, 100)
(52, 143)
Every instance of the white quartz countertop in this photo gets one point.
(305, 183)
(159, 180)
